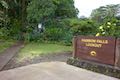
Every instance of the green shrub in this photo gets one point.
(4, 33)
(67, 40)
(54, 34)
(109, 28)
(82, 27)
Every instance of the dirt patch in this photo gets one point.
(62, 57)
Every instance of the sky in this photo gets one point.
(85, 7)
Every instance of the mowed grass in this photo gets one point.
(5, 44)
(32, 50)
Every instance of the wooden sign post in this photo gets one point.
(104, 50)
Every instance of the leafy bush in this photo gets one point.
(109, 28)
(68, 38)
(33, 36)
(54, 34)
(15, 29)
(4, 33)
(82, 27)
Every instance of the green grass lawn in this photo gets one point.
(5, 44)
(32, 50)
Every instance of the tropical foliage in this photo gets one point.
(100, 15)
(110, 28)
(19, 20)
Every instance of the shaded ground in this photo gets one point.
(62, 57)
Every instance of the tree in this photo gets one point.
(14, 9)
(65, 9)
(3, 9)
(51, 13)
(13, 16)
(82, 26)
(105, 13)
(41, 10)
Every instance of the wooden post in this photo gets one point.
(74, 46)
(117, 53)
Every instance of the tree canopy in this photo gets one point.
(105, 12)
(39, 10)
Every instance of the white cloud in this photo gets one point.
(86, 6)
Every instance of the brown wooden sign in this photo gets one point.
(98, 49)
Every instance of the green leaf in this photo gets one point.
(4, 4)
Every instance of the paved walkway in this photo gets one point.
(51, 71)
(9, 53)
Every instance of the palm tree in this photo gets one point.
(3, 11)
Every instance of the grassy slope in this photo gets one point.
(32, 50)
